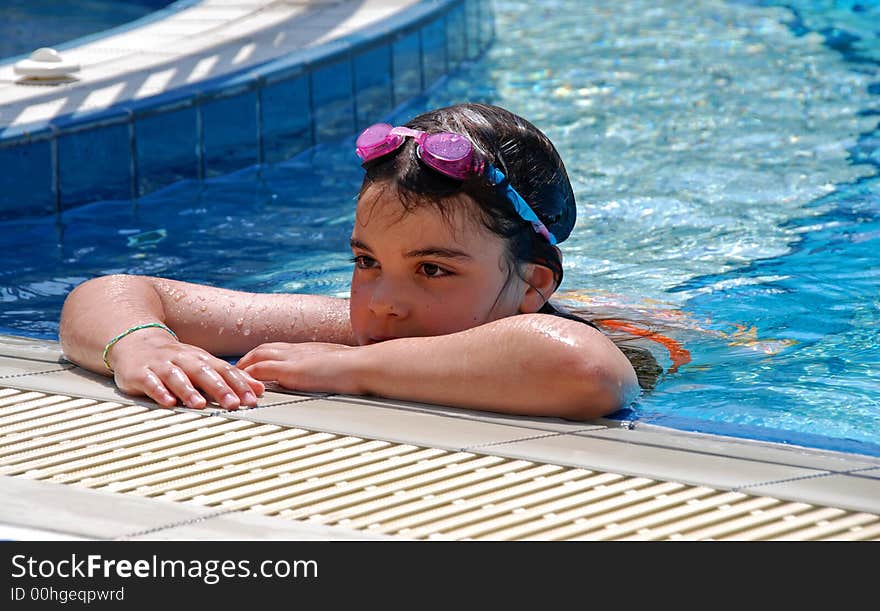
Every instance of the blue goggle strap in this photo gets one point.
(497, 178)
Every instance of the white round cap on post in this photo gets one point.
(45, 63)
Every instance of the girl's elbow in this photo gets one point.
(599, 390)
(94, 288)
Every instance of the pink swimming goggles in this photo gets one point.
(450, 154)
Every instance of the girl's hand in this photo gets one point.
(156, 365)
(307, 367)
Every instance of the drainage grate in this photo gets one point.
(378, 486)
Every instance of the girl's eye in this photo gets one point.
(364, 262)
(432, 270)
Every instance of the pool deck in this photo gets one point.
(191, 44)
(152, 101)
(813, 481)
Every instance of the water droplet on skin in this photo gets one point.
(246, 332)
(220, 330)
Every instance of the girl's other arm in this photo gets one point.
(207, 320)
(530, 364)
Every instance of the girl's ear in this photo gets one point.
(541, 283)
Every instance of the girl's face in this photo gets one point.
(420, 274)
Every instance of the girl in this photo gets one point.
(455, 257)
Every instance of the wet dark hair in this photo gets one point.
(513, 145)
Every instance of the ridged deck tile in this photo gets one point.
(857, 491)
(718, 445)
(391, 423)
(63, 512)
(665, 463)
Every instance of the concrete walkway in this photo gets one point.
(638, 482)
(202, 42)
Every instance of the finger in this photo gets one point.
(178, 383)
(270, 370)
(153, 387)
(245, 386)
(289, 375)
(235, 372)
(204, 376)
(257, 386)
(260, 353)
(246, 360)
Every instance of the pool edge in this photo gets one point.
(796, 474)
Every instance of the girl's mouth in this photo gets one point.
(380, 338)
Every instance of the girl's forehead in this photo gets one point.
(383, 206)
(384, 225)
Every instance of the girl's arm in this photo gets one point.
(207, 320)
(530, 364)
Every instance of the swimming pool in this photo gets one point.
(28, 24)
(725, 160)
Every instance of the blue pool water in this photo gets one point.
(28, 24)
(725, 157)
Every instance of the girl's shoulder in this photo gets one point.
(647, 367)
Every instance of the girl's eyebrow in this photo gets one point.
(429, 251)
(355, 243)
(437, 251)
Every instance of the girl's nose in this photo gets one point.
(387, 299)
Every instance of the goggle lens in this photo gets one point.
(377, 140)
(448, 147)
